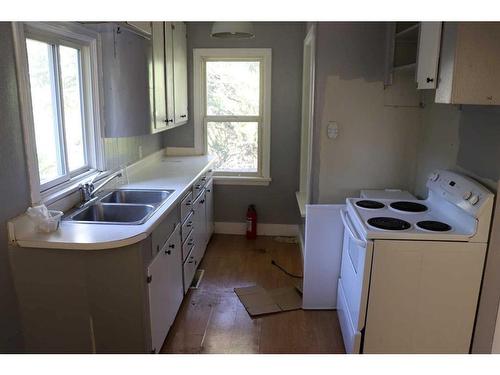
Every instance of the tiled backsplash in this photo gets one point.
(124, 151)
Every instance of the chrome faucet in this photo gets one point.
(89, 189)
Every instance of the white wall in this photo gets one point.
(376, 146)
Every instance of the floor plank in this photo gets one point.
(213, 320)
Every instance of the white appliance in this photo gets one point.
(321, 256)
(411, 270)
(386, 194)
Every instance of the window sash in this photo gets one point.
(230, 118)
(55, 42)
(256, 119)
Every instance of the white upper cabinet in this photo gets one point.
(179, 50)
(429, 43)
(160, 120)
(414, 46)
(170, 75)
(143, 27)
(469, 64)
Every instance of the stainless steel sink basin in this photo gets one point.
(114, 213)
(153, 197)
(125, 206)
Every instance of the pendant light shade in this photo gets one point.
(225, 30)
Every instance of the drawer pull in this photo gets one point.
(188, 203)
(168, 252)
(189, 224)
(172, 246)
(183, 116)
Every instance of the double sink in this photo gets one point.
(125, 206)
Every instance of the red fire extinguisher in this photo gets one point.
(251, 222)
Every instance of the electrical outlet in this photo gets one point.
(333, 130)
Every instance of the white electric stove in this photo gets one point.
(411, 269)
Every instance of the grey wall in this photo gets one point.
(378, 126)
(14, 193)
(275, 203)
(466, 139)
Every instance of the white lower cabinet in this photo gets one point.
(209, 210)
(199, 227)
(165, 286)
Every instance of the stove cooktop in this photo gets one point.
(397, 219)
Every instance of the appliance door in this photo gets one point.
(423, 296)
(355, 271)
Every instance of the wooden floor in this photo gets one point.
(213, 320)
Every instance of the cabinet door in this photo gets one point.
(165, 289)
(173, 250)
(209, 210)
(429, 43)
(476, 77)
(180, 72)
(160, 110)
(169, 73)
(199, 227)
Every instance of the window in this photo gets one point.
(64, 138)
(232, 110)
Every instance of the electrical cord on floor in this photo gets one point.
(273, 262)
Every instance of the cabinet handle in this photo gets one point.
(168, 252)
(202, 201)
(189, 224)
(188, 203)
(169, 120)
(430, 79)
(190, 242)
(172, 246)
(209, 190)
(183, 116)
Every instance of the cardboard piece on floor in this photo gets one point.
(259, 301)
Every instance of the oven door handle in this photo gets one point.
(347, 225)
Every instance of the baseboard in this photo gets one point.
(264, 229)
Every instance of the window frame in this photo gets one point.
(263, 119)
(87, 41)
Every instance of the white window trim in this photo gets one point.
(200, 55)
(92, 109)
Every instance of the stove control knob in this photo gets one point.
(473, 199)
(467, 195)
(434, 176)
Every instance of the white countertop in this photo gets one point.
(175, 173)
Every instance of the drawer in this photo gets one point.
(198, 187)
(187, 226)
(164, 230)
(186, 206)
(189, 270)
(187, 245)
(352, 337)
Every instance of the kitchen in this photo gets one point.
(181, 126)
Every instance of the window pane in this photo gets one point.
(73, 119)
(43, 98)
(233, 88)
(235, 143)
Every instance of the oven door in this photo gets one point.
(355, 271)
